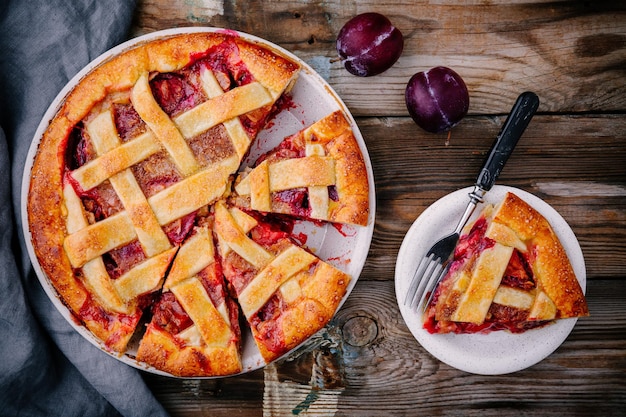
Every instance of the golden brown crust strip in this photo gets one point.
(552, 268)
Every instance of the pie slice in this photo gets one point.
(509, 272)
(285, 292)
(144, 142)
(317, 173)
(195, 324)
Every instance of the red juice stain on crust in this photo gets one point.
(266, 322)
(90, 311)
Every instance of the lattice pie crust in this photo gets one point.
(121, 202)
(509, 272)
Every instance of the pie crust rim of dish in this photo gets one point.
(353, 243)
(485, 354)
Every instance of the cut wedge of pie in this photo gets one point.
(195, 323)
(509, 272)
(317, 173)
(120, 206)
(285, 292)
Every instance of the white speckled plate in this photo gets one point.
(498, 352)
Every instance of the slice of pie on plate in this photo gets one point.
(285, 292)
(508, 272)
(142, 144)
(317, 173)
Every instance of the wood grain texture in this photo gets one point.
(573, 54)
(573, 155)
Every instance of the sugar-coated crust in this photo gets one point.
(159, 349)
(476, 300)
(116, 333)
(551, 266)
(320, 299)
(46, 213)
(257, 61)
(353, 204)
(467, 293)
(334, 133)
(45, 206)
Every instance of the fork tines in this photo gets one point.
(427, 275)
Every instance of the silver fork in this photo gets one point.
(433, 267)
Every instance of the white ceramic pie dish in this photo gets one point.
(345, 247)
(497, 352)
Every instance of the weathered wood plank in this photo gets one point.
(235, 396)
(573, 53)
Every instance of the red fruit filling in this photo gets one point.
(518, 274)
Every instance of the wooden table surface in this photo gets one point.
(573, 156)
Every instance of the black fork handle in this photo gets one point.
(518, 119)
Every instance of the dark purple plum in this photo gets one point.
(369, 44)
(437, 99)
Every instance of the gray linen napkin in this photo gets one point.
(46, 368)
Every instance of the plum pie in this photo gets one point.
(509, 272)
(136, 220)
